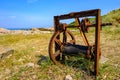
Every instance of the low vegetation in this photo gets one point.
(31, 61)
(113, 16)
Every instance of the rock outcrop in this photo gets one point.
(5, 52)
(25, 32)
(4, 31)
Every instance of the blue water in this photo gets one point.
(18, 28)
(22, 28)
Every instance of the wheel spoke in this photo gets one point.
(58, 42)
(57, 53)
(64, 37)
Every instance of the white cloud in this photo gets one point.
(12, 17)
(31, 1)
(8, 17)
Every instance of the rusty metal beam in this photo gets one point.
(56, 24)
(78, 14)
(92, 25)
(97, 41)
(82, 33)
(56, 28)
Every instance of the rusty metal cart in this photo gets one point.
(58, 48)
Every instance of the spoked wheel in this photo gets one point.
(57, 42)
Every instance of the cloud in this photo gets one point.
(12, 17)
(32, 1)
(8, 17)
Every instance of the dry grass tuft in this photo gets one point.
(23, 64)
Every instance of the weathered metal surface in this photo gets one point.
(80, 27)
(75, 50)
(97, 41)
(59, 48)
(77, 14)
(55, 51)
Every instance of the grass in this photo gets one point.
(29, 48)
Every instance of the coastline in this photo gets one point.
(25, 31)
(18, 28)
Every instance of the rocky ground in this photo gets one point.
(28, 57)
(32, 31)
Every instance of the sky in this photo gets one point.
(40, 13)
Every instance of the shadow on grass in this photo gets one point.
(44, 60)
(82, 64)
(77, 63)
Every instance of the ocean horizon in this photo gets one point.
(22, 28)
(18, 28)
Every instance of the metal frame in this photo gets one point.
(97, 14)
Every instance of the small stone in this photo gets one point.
(4, 52)
(42, 59)
(68, 77)
(34, 76)
(30, 65)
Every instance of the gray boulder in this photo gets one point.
(5, 52)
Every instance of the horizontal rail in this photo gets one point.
(92, 25)
(77, 14)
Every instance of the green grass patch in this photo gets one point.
(28, 48)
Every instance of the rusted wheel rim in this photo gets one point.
(55, 56)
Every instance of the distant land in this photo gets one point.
(18, 28)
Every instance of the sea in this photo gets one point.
(26, 28)
(19, 28)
